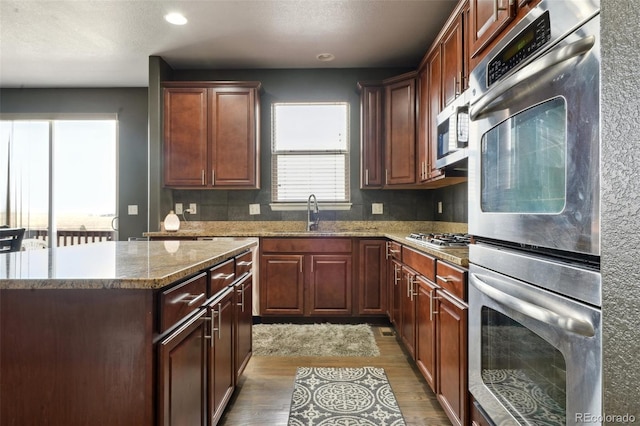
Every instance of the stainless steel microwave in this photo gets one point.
(453, 132)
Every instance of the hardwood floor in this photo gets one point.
(263, 395)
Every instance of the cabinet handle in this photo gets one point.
(223, 276)
(211, 319)
(213, 177)
(219, 329)
(241, 292)
(189, 299)
(443, 279)
(455, 86)
(431, 299)
(386, 176)
(245, 263)
(388, 247)
(202, 177)
(396, 278)
(366, 177)
(498, 6)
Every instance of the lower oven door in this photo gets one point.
(534, 356)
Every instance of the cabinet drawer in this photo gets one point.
(452, 279)
(422, 263)
(182, 299)
(220, 276)
(394, 250)
(306, 245)
(244, 263)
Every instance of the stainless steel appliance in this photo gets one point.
(453, 132)
(442, 240)
(534, 163)
(535, 327)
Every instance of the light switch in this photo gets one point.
(132, 209)
(178, 209)
(376, 208)
(193, 208)
(254, 208)
(440, 207)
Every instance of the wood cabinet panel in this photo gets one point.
(221, 380)
(330, 286)
(281, 284)
(371, 136)
(421, 263)
(306, 245)
(234, 151)
(244, 263)
(220, 277)
(372, 277)
(452, 279)
(400, 132)
(244, 323)
(488, 19)
(185, 136)
(180, 300)
(452, 392)
(426, 330)
(452, 62)
(395, 293)
(408, 310)
(182, 371)
(435, 106)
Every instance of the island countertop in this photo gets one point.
(116, 264)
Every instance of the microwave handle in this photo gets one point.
(566, 322)
(550, 59)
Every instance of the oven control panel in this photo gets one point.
(523, 46)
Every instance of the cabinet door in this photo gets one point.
(424, 124)
(452, 357)
(372, 277)
(281, 284)
(185, 136)
(452, 59)
(488, 19)
(181, 375)
(244, 322)
(371, 136)
(221, 363)
(395, 285)
(329, 285)
(426, 330)
(400, 140)
(408, 310)
(435, 106)
(234, 148)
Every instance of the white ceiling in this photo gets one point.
(106, 43)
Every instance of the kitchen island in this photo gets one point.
(114, 333)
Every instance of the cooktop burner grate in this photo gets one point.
(445, 240)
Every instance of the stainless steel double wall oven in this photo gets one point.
(535, 328)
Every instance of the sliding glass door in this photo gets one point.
(61, 178)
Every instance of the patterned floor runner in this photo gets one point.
(343, 397)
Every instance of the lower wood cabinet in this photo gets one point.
(244, 323)
(221, 372)
(372, 277)
(408, 310)
(426, 330)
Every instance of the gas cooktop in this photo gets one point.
(440, 240)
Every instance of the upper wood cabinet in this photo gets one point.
(453, 52)
(211, 135)
(400, 130)
(488, 19)
(371, 135)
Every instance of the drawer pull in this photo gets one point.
(444, 279)
(241, 293)
(189, 299)
(245, 263)
(223, 276)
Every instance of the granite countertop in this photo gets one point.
(394, 230)
(115, 264)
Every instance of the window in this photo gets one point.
(78, 193)
(310, 152)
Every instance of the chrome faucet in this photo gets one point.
(312, 225)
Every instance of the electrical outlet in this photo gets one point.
(440, 207)
(178, 209)
(193, 208)
(254, 208)
(132, 209)
(376, 208)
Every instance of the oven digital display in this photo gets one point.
(523, 46)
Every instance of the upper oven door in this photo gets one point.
(534, 146)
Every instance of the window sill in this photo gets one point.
(303, 206)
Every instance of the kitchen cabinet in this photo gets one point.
(243, 289)
(430, 81)
(488, 18)
(426, 330)
(371, 135)
(220, 350)
(306, 276)
(394, 256)
(453, 52)
(372, 277)
(400, 130)
(408, 310)
(211, 135)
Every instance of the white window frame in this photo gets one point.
(300, 203)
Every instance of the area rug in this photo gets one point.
(343, 397)
(314, 340)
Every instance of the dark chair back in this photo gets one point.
(11, 239)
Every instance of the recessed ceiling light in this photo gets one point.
(175, 18)
(325, 57)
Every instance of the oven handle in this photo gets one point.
(566, 322)
(550, 59)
